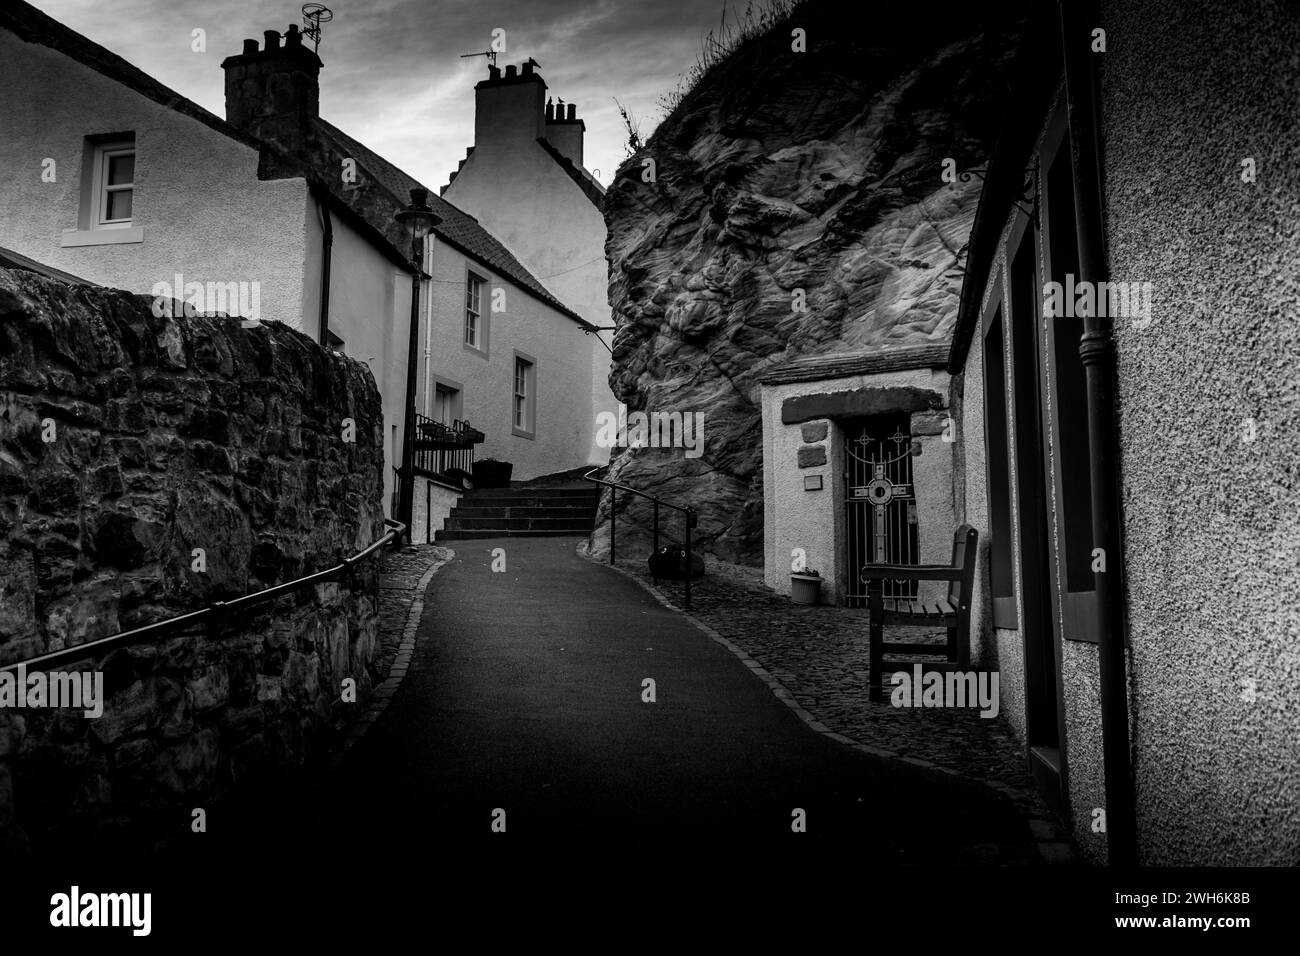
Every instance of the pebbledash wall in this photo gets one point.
(370, 310)
(1209, 410)
(1208, 402)
(170, 436)
(523, 195)
(197, 198)
(553, 342)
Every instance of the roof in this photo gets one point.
(1031, 85)
(15, 260)
(816, 368)
(33, 26)
(584, 180)
(458, 228)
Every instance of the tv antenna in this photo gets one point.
(490, 54)
(313, 15)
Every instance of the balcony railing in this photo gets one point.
(444, 451)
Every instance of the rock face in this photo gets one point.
(797, 207)
(148, 467)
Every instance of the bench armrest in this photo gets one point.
(910, 572)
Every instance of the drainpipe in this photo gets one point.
(1096, 349)
(326, 254)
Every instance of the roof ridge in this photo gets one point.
(467, 238)
(590, 188)
(36, 26)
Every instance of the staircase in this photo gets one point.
(521, 512)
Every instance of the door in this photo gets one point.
(879, 502)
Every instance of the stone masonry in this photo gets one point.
(151, 466)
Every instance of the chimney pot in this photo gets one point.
(274, 94)
(494, 72)
(511, 71)
(573, 111)
(550, 112)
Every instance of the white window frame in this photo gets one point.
(100, 188)
(475, 319)
(523, 397)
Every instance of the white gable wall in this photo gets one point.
(203, 210)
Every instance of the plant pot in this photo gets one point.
(492, 474)
(805, 588)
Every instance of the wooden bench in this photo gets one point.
(952, 613)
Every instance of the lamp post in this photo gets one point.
(418, 219)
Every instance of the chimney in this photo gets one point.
(509, 108)
(274, 93)
(565, 131)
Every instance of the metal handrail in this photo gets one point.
(691, 518)
(159, 628)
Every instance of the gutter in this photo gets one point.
(327, 255)
(1097, 351)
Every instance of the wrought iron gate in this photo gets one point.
(880, 503)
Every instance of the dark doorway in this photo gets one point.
(879, 501)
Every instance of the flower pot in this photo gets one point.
(492, 474)
(805, 588)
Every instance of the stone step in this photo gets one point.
(592, 494)
(464, 534)
(523, 511)
(471, 500)
(517, 523)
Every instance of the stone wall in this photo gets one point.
(127, 442)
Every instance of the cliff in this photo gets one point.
(793, 204)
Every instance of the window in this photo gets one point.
(525, 397)
(446, 404)
(475, 321)
(106, 214)
(114, 185)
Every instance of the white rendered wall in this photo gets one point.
(197, 197)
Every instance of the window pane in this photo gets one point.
(119, 204)
(121, 169)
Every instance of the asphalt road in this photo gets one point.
(526, 695)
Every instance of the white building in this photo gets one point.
(526, 169)
(116, 179)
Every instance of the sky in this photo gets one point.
(393, 76)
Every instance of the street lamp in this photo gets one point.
(418, 219)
